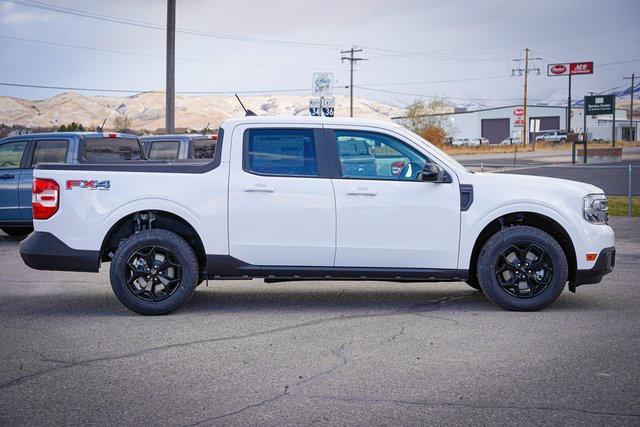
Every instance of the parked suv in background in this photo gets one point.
(19, 154)
(182, 146)
(552, 136)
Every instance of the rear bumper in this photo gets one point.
(44, 251)
(603, 266)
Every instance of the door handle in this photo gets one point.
(259, 188)
(7, 176)
(361, 191)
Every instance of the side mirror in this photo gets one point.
(432, 173)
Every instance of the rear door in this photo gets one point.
(12, 165)
(281, 201)
(45, 150)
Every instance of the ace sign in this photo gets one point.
(570, 68)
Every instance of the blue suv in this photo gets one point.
(20, 153)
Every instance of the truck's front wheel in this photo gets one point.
(522, 268)
(154, 272)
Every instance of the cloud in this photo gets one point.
(9, 14)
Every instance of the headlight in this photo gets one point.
(595, 209)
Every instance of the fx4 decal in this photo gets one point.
(90, 184)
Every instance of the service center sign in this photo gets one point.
(570, 68)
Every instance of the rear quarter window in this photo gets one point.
(164, 150)
(204, 148)
(49, 151)
(108, 150)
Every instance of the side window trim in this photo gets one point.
(319, 142)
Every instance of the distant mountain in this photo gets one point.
(146, 110)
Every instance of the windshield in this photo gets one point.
(109, 150)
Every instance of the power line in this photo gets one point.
(200, 92)
(154, 26)
(470, 79)
(151, 55)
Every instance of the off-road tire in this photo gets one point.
(182, 252)
(491, 255)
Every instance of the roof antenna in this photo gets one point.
(99, 128)
(246, 112)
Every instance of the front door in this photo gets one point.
(386, 216)
(11, 168)
(281, 202)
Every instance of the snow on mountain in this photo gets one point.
(146, 110)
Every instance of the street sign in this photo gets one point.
(328, 106)
(570, 68)
(322, 84)
(314, 107)
(599, 104)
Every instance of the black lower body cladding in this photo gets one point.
(44, 251)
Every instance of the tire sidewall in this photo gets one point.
(493, 249)
(183, 253)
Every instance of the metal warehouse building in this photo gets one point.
(500, 123)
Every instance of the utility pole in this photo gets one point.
(352, 59)
(631, 130)
(526, 70)
(170, 93)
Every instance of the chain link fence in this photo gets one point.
(620, 179)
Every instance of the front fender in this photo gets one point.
(472, 224)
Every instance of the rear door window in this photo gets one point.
(11, 154)
(48, 151)
(164, 150)
(281, 152)
(108, 150)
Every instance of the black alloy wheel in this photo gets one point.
(153, 273)
(524, 270)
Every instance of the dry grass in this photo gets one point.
(539, 146)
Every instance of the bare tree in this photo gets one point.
(121, 122)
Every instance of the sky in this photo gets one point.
(458, 50)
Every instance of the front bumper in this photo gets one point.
(44, 251)
(603, 266)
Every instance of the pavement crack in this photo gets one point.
(289, 391)
(63, 365)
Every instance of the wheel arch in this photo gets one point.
(532, 219)
(138, 220)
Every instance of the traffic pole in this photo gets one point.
(630, 197)
(569, 107)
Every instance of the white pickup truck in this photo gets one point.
(294, 199)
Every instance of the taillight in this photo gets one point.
(45, 198)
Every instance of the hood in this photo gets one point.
(533, 185)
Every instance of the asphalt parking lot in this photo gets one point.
(318, 352)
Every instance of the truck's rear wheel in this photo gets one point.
(522, 268)
(154, 272)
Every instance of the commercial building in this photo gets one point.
(500, 123)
